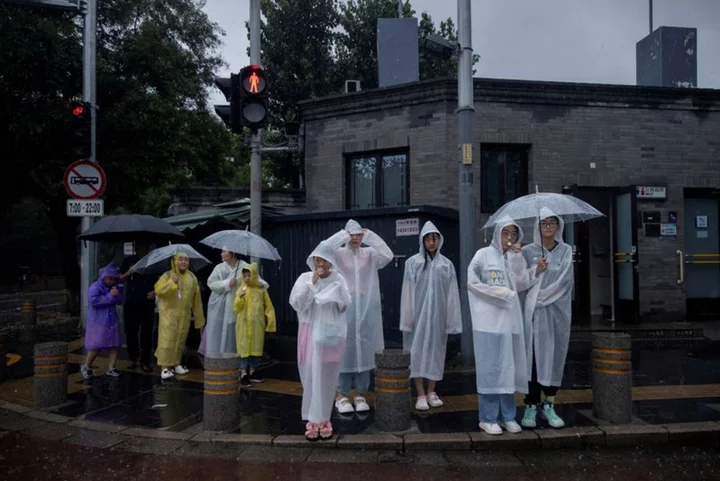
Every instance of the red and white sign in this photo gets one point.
(85, 180)
(407, 227)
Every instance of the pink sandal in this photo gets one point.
(311, 431)
(325, 430)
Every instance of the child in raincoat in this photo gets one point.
(320, 298)
(178, 294)
(548, 304)
(430, 310)
(102, 332)
(498, 329)
(255, 317)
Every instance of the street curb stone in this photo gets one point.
(629, 435)
(97, 426)
(16, 408)
(573, 437)
(525, 440)
(253, 439)
(157, 434)
(437, 441)
(370, 441)
(49, 417)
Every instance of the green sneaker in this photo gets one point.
(529, 419)
(548, 412)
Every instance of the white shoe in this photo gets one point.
(361, 404)
(491, 428)
(180, 370)
(422, 404)
(434, 401)
(344, 406)
(167, 374)
(511, 426)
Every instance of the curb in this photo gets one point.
(705, 433)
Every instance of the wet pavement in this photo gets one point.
(23, 457)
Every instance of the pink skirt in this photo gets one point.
(306, 347)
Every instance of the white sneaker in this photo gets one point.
(491, 428)
(344, 406)
(166, 374)
(434, 401)
(422, 404)
(511, 426)
(361, 404)
(180, 370)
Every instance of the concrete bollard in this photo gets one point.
(50, 381)
(393, 401)
(612, 377)
(221, 401)
(28, 311)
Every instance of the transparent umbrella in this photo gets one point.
(158, 260)
(243, 242)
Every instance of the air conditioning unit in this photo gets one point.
(352, 86)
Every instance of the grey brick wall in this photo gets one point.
(634, 135)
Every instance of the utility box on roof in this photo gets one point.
(295, 237)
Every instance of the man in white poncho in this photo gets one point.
(360, 265)
(224, 281)
(548, 303)
(498, 329)
(429, 311)
(320, 298)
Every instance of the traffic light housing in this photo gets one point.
(81, 118)
(254, 97)
(230, 114)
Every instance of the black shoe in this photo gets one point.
(245, 381)
(147, 368)
(254, 377)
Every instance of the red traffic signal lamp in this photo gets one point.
(81, 118)
(253, 97)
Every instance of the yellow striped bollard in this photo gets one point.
(50, 381)
(28, 311)
(221, 400)
(612, 377)
(393, 400)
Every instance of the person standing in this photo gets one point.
(178, 295)
(138, 311)
(429, 311)
(359, 266)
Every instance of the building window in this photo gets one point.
(377, 180)
(504, 174)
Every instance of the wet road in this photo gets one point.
(23, 458)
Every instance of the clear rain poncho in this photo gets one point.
(548, 304)
(364, 317)
(322, 329)
(497, 318)
(429, 309)
(220, 330)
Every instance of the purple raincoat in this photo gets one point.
(102, 330)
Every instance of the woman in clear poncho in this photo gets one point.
(498, 329)
(548, 303)
(429, 311)
(320, 298)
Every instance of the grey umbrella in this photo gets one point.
(131, 228)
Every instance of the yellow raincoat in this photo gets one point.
(255, 315)
(175, 303)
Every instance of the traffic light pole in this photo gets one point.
(87, 254)
(255, 141)
(466, 127)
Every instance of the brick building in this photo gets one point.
(647, 157)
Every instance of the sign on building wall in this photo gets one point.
(407, 227)
(651, 192)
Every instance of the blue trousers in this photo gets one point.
(496, 407)
(251, 362)
(358, 380)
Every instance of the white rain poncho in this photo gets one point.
(548, 304)
(497, 318)
(429, 309)
(322, 330)
(364, 317)
(220, 329)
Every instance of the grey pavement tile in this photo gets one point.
(18, 422)
(96, 439)
(52, 432)
(210, 450)
(97, 426)
(344, 456)
(16, 408)
(149, 446)
(49, 417)
(274, 454)
(483, 459)
(571, 458)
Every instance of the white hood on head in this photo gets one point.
(544, 214)
(353, 227)
(502, 223)
(429, 228)
(324, 250)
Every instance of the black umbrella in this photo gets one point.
(131, 228)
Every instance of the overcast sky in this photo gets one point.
(562, 40)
